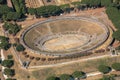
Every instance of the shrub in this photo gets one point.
(10, 79)
(116, 66)
(8, 63)
(52, 78)
(104, 69)
(107, 78)
(4, 43)
(0, 60)
(79, 74)
(10, 56)
(65, 77)
(9, 72)
(12, 28)
(20, 48)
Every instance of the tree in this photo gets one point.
(10, 79)
(4, 43)
(4, 9)
(50, 10)
(107, 78)
(65, 77)
(0, 60)
(31, 11)
(79, 74)
(116, 35)
(12, 28)
(92, 3)
(65, 8)
(113, 14)
(116, 66)
(96, 3)
(52, 78)
(9, 56)
(2, 1)
(7, 63)
(13, 16)
(106, 3)
(104, 69)
(20, 48)
(19, 6)
(9, 72)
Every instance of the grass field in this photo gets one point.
(41, 74)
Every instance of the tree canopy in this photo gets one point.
(116, 35)
(4, 9)
(52, 78)
(116, 66)
(9, 72)
(31, 11)
(114, 15)
(4, 43)
(12, 28)
(13, 16)
(104, 69)
(79, 74)
(19, 6)
(46, 11)
(2, 1)
(65, 77)
(10, 79)
(92, 3)
(7, 63)
(107, 78)
(20, 48)
(106, 2)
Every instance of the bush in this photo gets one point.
(12, 28)
(79, 74)
(116, 35)
(104, 69)
(20, 48)
(52, 78)
(4, 43)
(46, 11)
(9, 72)
(10, 79)
(7, 63)
(65, 77)
(31, 11)
(116, 66)
(10, 56)
(13, 16)
(0, 60)
(107, 78)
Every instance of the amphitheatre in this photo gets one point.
(65, 36)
